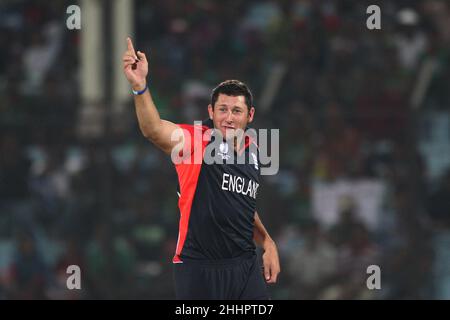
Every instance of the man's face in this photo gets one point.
(229, 114)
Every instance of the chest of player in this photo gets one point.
(233, 176)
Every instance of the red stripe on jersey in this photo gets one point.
(188, 174)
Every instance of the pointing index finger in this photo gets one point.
(130, 46)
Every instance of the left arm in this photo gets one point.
(270, 257)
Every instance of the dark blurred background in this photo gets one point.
(364, 142)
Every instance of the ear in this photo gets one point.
(210, 111)
(251, 114)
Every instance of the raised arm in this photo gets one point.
(271, 260)
(158, 131)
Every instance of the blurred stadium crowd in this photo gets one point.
(346, 116)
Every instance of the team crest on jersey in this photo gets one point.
(255, 161)
(223, 151)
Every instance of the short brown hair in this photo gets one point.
(232, 88)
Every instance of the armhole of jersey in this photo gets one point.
(189, 135)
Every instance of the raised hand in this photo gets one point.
(135, 66)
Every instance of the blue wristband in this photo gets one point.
(138, 93)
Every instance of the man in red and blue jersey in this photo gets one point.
(219, 227)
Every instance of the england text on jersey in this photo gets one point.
(239, 185)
